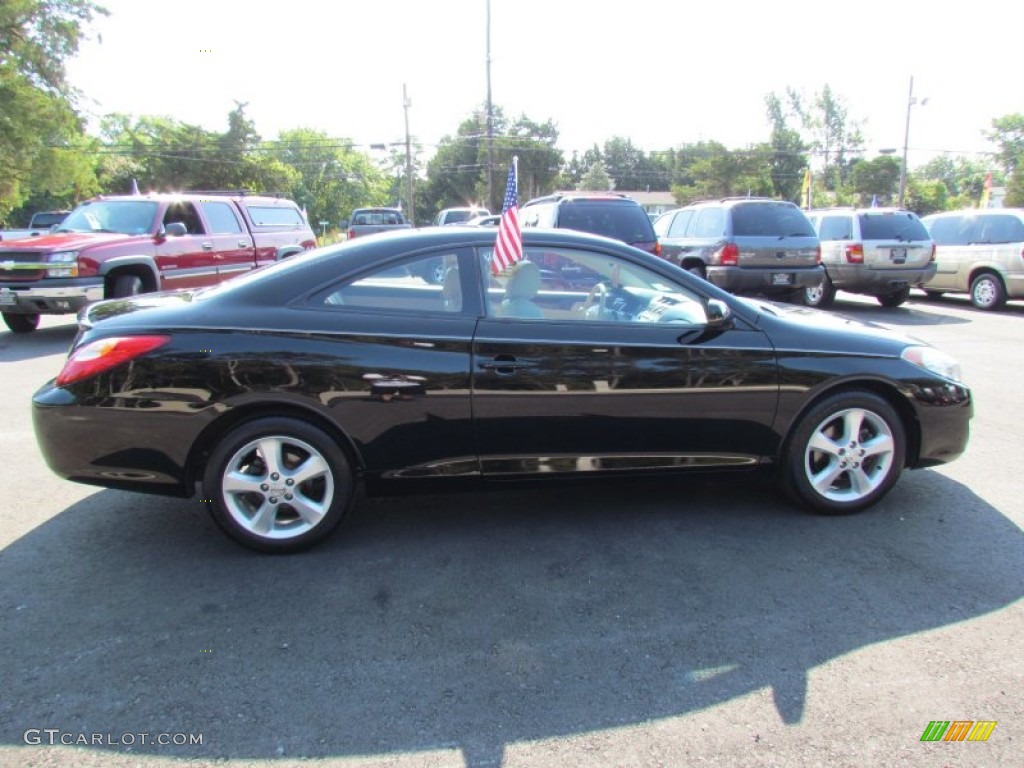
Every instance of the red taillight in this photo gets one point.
(102, 355)
(729, 256)
(350, 234)
(657, 248)
(817, 255)
(855, 253)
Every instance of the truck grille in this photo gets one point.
(20, 266)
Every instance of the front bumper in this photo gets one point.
(50, 297)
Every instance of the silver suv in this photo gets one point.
(743, 244)
(880, 252)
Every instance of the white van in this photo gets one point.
(980, 252)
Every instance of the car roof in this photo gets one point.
(176, 196)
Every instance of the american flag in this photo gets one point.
(508, 249)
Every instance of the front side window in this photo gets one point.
(424, 284)
(950, 230)
(566, 284)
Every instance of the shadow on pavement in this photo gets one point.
(40, 343)
(474, 620)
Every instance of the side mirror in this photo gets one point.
(719, 314)
(175, 229)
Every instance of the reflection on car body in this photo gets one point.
(350, 368)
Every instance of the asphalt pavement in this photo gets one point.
(628, 623)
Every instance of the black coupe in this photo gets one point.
(285, 390)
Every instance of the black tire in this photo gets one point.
(894, 299)
(21, 323)
(297, 513)
(988, 291)
(696, 269)
(816, 476)
(435, 272)
(820, 296)
(124, 286)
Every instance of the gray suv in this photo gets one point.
(744, 244)
(880, 252)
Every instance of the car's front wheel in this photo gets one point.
(278, 484)
(21, 323)
(845, 453)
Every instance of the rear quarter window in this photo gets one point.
(998, 229)
(836, 228)
(275, 216)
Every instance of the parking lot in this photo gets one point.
(636, 623)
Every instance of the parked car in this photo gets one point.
(370, 221)
(744, 245)
(122, 245)
(980, 252)
(490, 220)
(41, 222)
(879, 252)
(286, 390)
(459, 215)
(612, 215)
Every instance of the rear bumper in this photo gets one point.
(764, 279)
(857, 278)
(52, 297)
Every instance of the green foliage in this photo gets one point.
(1008, 134)
(40, 133)
(596, 179)
(878, 178)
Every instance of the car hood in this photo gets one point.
(67, 241)
(838, 331)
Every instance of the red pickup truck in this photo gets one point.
(117, 246)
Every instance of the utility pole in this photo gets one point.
(490, 119)
(406, 103)
(911, 101)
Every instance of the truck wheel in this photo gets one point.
(821, 295)
(125, 286)
(895, 298)
(21, 323)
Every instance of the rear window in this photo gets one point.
(275, 216)
(770, 220)
(892, 226)
(628, 223)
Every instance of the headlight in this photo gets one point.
(933, 360)
(68, 261)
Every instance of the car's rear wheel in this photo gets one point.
(278, 484)
(988, 291)
(845, 453)
(895, 298)
(821, 295)
(21, 323)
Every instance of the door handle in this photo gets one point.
(207, 246)
(506, 365)
(243, 243)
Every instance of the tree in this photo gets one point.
(877, 179)
(787, 157)
(596, 179)
(37, 111)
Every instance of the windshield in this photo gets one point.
(129, 217)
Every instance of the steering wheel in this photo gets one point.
(599, 295)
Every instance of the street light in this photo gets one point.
(911, 101)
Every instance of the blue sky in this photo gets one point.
(659, 72)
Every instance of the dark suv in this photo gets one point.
(743, 244)
(609, 214)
